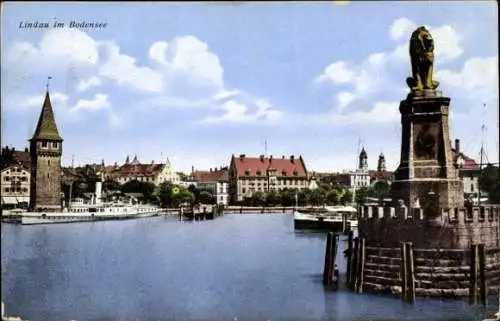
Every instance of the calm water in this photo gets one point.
(237, 267)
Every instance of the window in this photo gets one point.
(48, 162)
(243, 190)
(55, 145)
(7, 190)
(6, 178)
(44, 145)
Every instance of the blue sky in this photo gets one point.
(197, 82)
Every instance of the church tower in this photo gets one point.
(363, 159)
(45, 153)
(381, 163)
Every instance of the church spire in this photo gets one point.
(46, 127)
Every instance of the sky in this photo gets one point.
(198, 82)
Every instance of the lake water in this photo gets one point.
(236, 267)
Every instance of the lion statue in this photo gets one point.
(422, 60)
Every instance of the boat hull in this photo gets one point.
(311, 221)
(57, 218)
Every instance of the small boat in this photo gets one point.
(330, 218)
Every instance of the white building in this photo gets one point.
(153, 173)
(15, 185)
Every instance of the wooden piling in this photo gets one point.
(410, 273)
(349, 256)
(328, 253)
(483, 289)
(354, 260)
(404, 278)
(361, 265)
(473, 274)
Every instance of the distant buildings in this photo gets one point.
(469, 172)
(248, 175)
(215, 181)
(129, 171)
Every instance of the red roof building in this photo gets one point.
(214, 181)
(248, 175)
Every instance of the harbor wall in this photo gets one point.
(442, 248)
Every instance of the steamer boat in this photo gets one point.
(330, 218)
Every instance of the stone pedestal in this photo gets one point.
(427, 174)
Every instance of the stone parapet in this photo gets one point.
(449, 228)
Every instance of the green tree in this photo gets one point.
(204, 197)
(145, 188)
(287, 197)
(163, 193)
(272, 198)
(381, 190)
(257, 199)
(332, 197)
(489, 182)
(317, 197)
(304, 197)
(346, 197)
(362, 194)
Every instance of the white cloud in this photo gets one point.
(260, 111)
(344, 99)
(476, 74)
(123, 69)
(100, 101)
(87, 84)
(22, 102)
(191, 59)
(58, 49)
(337, 73)
(401, 28)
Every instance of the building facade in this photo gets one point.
(45, 157)
(151, 173)
(15, 186)
(214, 181)
(248, 175)
(469, 172)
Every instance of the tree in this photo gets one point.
(272, 198)
(362, 194)
(287, 197)
(381, 190)
(317, 196)
(346, 197)
(145, 188)
(204, 197)
(489, 181)
(332, 197)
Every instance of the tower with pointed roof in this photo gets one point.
(363, 159)
(45, 154)
(381, 163)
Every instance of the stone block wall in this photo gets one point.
(453, 228)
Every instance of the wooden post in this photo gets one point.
(473, 274)
(483, 289)
(361, 265)
(354, 260)
(410, 273)
(349, 256)
(358, 265)
(404, 278)
(328, 253)
(333, 258)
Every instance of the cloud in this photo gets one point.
(254, 111)
(401, 28)
(189, 66)
(337, 73)
(59, 49)
(100, 101)
(21, 103)
(344, 99)
(124, 70)
(87, 84)
(477, 75)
